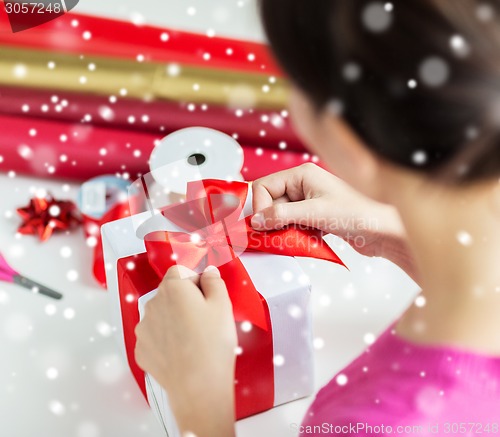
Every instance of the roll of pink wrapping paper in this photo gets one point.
(255, 128)
(62, 150)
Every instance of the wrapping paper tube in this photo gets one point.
(255, 128)
(122, 39)
(79, 152)
(149, 81)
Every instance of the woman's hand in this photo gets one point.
(310, 196)
(187, 342)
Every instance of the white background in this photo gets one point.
(92, 394)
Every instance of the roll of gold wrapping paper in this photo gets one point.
(144, 80)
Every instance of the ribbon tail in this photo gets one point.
(291, 241)
(248, 304)
(119, 211)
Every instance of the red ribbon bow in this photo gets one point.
(211, 218)
(215, 234)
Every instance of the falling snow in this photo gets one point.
(318, 343)
(434, 72)
(369, 338)
(376, 18)
(485, 12)
(459, 46)
(420, 301)
(279, 360)
(341, 379)
(295, 311)
(52, 373)
(69, 313)
(246, 326)
(57, 408)
(50, 309)
(412, 84)
(419, 157)
(72, 275)
(173, 70)
(351, 72)
(464, 238)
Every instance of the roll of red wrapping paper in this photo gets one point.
(43, 148)
(253, 127)
(88, 35)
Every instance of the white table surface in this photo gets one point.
(61, 373)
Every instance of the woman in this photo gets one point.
(401, 101)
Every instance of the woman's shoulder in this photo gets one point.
(395, 383)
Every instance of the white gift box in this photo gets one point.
(279, 279)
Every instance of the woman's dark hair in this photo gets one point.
(418, 80)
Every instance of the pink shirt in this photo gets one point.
(401, 388)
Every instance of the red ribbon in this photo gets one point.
(216, 235)
(92, 228)
(125, 40)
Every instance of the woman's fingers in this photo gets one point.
(266, 190)
(182, 272)
(212, 285)
(209, 282)
(304, 212)
(287, 183)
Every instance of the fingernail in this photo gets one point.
(212, 270)
(257, 220)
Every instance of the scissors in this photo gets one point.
(8, 274)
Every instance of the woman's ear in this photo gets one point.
(327, 135)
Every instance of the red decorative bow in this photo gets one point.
(45, 215)
(216, 235)
(214, 232)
